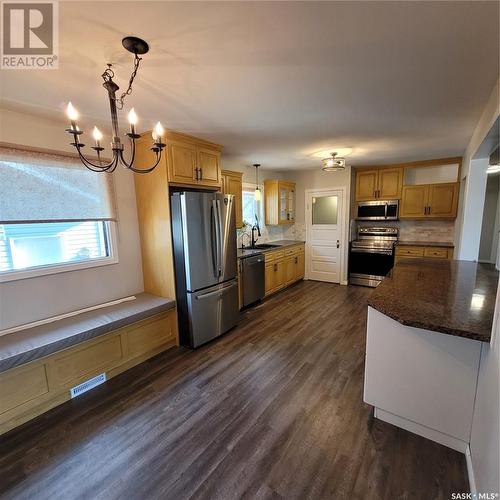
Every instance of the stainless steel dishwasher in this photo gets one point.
(252, 278)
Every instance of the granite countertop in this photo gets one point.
(454, 297)
(27, 345)
(446, 244)
(248, 252)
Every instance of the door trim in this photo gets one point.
(342, 229)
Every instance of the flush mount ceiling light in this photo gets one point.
(137, 47)
(257, 194)
(333, 163)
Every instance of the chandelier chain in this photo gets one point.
(120, 102)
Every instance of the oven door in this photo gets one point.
(368, 266)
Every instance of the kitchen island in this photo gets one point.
(427, 323)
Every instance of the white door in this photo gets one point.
(324, 235)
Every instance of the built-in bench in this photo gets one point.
(40, 365)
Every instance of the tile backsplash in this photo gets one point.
(421, 230)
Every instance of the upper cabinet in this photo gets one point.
(381, 183)
(431, 190)
(232, 184)
(279, 202)
(191, 161)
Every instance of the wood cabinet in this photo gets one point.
(283, 267)
(279, 202)
(383, 183)
(422, 251)
(31, 389)
(232, 184)
(430, 201)
(190, 161)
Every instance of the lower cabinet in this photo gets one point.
(419, 252)
(283, 267)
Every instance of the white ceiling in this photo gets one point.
(284, 82)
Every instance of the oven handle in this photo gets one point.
(370, 250)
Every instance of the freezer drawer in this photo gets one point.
(212, 312)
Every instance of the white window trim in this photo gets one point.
(33, 272)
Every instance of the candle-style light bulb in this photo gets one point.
(72, 115)
(158, 132)
(132, 119)
(97, 135)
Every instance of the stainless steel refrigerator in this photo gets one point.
(204, 241)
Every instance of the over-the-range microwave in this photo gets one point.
(377, 210)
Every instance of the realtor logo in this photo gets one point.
(29, 35)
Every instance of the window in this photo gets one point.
(251, 209)
(55, 215)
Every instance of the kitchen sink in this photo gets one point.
(265, 245)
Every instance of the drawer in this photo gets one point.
(274, 255)
(410, 251)
(290, 251)
(436, 252)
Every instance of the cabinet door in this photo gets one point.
(279, 274)
(390, 183)
(299, 266)
(181, 163)
(282, 204)
(269, 278)
(366, 184)
(414, 201)
(208, 162)
(291, 204)
(234, 186)
(443, 200)
(290, 270)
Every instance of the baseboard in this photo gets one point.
(421, 430)
(470, 472)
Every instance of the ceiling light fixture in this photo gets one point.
(137, 47)
(257, 194)
(333, 163)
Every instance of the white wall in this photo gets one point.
(468, 226)
(485, 435)
(32, 299)
(318, 179)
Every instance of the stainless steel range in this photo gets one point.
(372, 255)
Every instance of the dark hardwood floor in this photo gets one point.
(274, 409)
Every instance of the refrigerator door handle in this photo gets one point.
(223, 236)
(219, 291)
(213, 233)
(218, 236)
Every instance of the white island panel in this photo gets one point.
(424, 379)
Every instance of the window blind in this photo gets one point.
(43, 187)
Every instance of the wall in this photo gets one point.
(32, 299)
(318, 179)
(467, 229)
(485, 435)
(489, 218)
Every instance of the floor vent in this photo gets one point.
(87, 385)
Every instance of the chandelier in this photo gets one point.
(137, 47)
(333, 163)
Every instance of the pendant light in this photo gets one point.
(333, 163)
(257, 193)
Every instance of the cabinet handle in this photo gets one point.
(429, 212)
(275, 267)
(196, 177)
(201, 173)
(296, 260)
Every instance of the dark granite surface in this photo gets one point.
(248, 252)
(455, 297)
(426, 243)
(27, 345)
